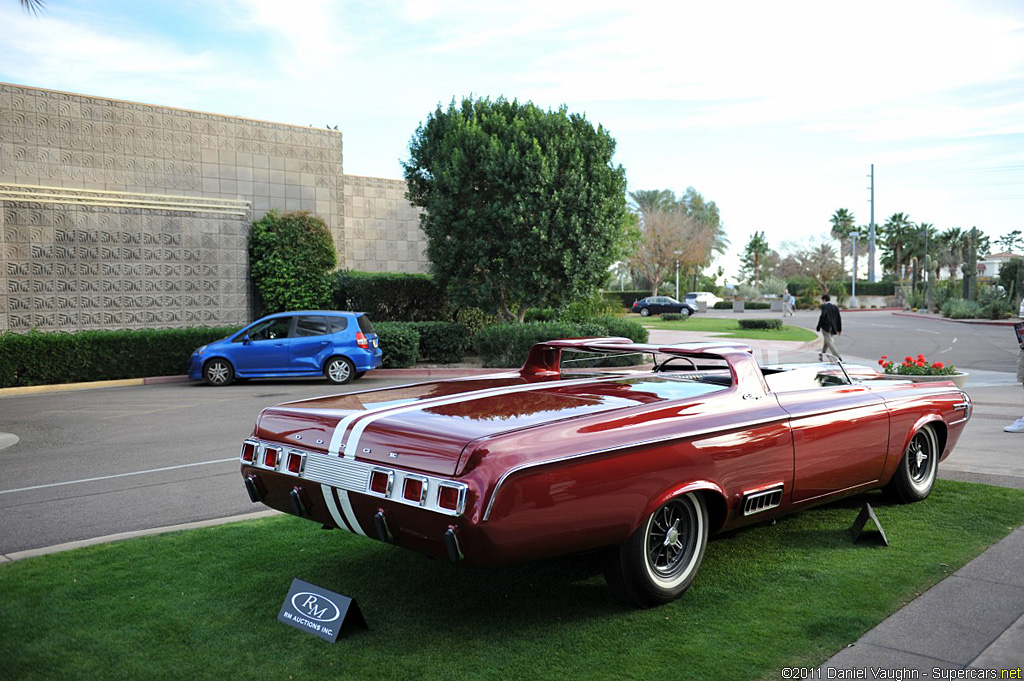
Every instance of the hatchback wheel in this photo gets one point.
(644, 311)
(339, 370)
(218, 372)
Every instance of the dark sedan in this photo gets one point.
(661, 305)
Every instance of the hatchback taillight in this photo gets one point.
(361, 340)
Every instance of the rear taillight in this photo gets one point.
(381, 482)
(415, 489)
(271, 457)
(294, 463)
(448, 497)
(361, 340)
(248, 452)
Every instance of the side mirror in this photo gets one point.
(246, 340)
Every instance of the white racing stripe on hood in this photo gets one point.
(352, 444)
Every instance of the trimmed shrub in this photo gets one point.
(764, 324)
(445, 342)
(399, 344)
(507, 345)
(674, 317)
(624, 299)
(290, 259)
(391, 296)
(37, 358)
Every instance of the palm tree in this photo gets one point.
(32, 5)
(898, 231)
(842, 225)
(953, 242)
(757, 249)
(649, 201)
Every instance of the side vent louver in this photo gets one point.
(757, 502)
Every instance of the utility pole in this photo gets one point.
(871, 230)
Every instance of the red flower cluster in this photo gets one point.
(917, 366)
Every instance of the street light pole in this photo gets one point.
(677, 280)
(853, 283)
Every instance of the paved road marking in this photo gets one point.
(119, 475)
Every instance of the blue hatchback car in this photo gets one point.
(340, 346)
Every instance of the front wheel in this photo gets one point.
(915, 476)
(660, 560)
(339, 370)
(218, 372)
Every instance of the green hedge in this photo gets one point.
(507, 345)
(444, 342)
(769, 324)
(625, 298)
(391, 296)
(399, 344)
(37, 358)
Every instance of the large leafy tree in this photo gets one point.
(674, 233)
(523, 206)
(1012, 241)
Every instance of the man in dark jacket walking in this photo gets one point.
(830, 324)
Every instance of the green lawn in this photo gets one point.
(203, 603)
(729, 328)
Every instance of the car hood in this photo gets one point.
(426, 427)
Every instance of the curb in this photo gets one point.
(68, 546)
(434, 372)
(987, 322)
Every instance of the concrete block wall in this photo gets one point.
(382, 228)
(123, 215)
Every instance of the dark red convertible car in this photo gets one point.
(641, 464)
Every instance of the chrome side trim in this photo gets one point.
(605, 450)
(765, 500)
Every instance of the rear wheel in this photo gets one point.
(915, 476)
(644, 312)
(218, 372)
(660, 560)
(339, 370)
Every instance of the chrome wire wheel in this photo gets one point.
(918, 467)
(921, 461)
(675, 535)
(660, 559)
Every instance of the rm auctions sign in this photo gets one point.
(318, 611)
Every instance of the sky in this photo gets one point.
(775, 111)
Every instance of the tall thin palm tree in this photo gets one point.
(842, 225)
(33, 6)
(898, 231)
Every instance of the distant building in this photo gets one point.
(988, 268)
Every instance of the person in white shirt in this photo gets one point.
(1018, 425)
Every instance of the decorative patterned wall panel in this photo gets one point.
(73, 260)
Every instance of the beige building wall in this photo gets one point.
(122, 215)
(382, 229)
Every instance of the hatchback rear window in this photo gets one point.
(338, 324)
(365, 325)
(310, 326)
